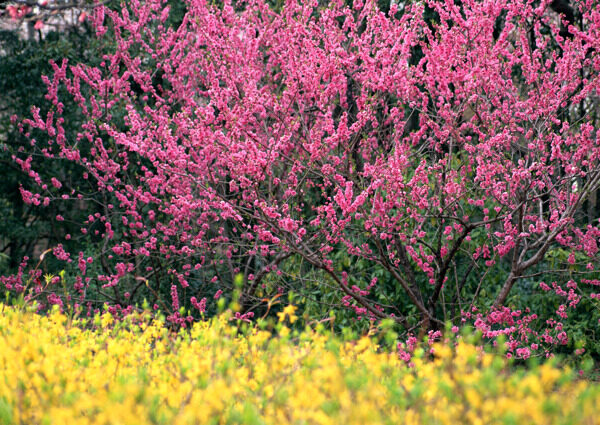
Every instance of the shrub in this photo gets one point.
(102, 371)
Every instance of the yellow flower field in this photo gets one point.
(138, 372)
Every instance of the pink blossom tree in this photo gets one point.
(436, 137)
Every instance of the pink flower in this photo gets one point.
(200, 306)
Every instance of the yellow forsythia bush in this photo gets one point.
(54, 371)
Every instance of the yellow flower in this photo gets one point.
(290, 312)
(107, 320)
(57, 372)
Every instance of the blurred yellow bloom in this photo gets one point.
(57, 372)
(290, 312)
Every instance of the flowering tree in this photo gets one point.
(437, 137)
